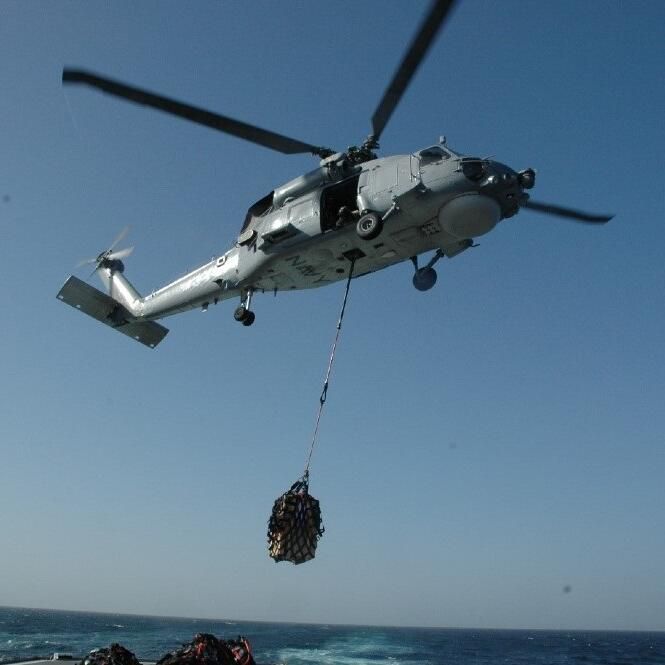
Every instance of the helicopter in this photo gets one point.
(356, 213)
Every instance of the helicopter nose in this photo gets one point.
(527, 178)
(506, 186)
(502, 175)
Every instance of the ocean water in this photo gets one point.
(26, 632)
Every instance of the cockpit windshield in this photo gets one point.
(432, 154)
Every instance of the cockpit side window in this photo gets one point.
(260, 208)
(434, 154)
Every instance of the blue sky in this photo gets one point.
(484, 444)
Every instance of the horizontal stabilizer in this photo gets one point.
(88, 299)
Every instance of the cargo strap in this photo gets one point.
(326, 382)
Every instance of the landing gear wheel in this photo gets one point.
(244, 316)
(369, 226)
(424, 279)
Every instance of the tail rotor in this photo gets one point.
(110, 258)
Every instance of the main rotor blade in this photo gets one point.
(409, 65)
(221, 123)
(568, 213)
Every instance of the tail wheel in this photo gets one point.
(369, 226)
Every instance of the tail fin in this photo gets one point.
(110, 311)
(119, 287)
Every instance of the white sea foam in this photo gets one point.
(333, 657)
(352, 650)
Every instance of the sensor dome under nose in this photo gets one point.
(470, 215)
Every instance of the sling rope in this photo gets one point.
(326, 382)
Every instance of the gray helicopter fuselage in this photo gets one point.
(293, 239)
(355, 214)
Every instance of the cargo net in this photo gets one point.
(295, 525)
(207, 649)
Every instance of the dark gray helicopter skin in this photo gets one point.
(354, 212)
